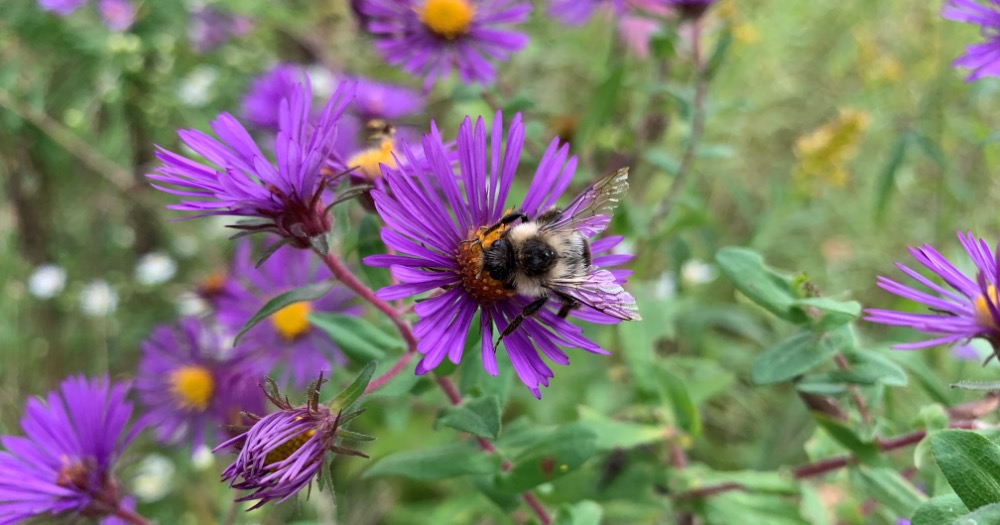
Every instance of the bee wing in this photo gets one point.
(591, 211)
(599, 291)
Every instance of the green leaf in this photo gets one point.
(988, 515)
(970, 463)
(989, 386)
(797, 355)
(357, 337)
(602, 104)
(550, 457)
(612, 434)
(887, 179)
(480, 417)
(442, 462)
(685, 411)
(768, 288)
(835, 313)
(869, 368)
(473, 379)
(352, 393)
(306, 293)
(584, 512)
(889, 488)
(718, 54)
(865, 450)
(939, 510)
(370, 243)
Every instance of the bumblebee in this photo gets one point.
(548, 257)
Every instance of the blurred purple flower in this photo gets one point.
(635, 32)
(972, 312)
(283, 451)
(983, 58)
(118, 14)
(965, 353)
(289, 339)
(210, 28)
(64, 465)
(431, 37)
(902, 521)
(191, 379)
(286, 199)
(430, 221)
(577, 12)
(262, 102)
(61, 7)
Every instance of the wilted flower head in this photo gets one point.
(439, 231)
(47, 281)
(289, 339)
(432, 37)
(64, 464)
(983, 58)
(285, 198)
(192, 380)
(970, 309)
(283, 451)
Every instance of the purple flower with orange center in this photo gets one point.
(431, 37)
(969, 309)
(983, 58)
(192, 381)
(63, 466)
(283, 451)
(522, 269)
(284, 198)
(288, 338)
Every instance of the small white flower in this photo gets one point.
(190, 303)
(322, 81)
(695, 272)
(47, 281)
(153, 479)
(665, 287)
(202, 458)
(98, 299)
(155, 268)
(196, 88)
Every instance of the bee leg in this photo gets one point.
(529, 310)
(568, 304)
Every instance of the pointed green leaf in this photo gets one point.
(584, 512)
(550, 456)
(797, 355)
(887, 180)
(988, 515)
(889, 488)
(766, 287)
(306, 293)
(447, 461)
(834, 313)
(480, 417)
(357, 337)
(611, 434)
(971, 464)
(939, 510)
(989, 386)
(864, 449)
(603, 102)
(685, 412)
(345, 399)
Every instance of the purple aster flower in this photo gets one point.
(283, 451)
(286, 199)
(118, 15)
(210, 28)
(61, 7)
(432, 37)
(262, 102)
(191, 379)
(983, 58)
(441, 233)
(64, 464)
(290, 340)
(969, 310)
(577, 12)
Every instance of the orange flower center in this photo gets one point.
(367, 161)
(192, 387)
(448, 19)
(983, 313)
(475, 279)
(293, 320)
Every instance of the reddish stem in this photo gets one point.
(381, 380)
(532, 501)
(129, 516)
(859, 401)
(344, 275)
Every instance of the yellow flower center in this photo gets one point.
(447, 18)
(192, 387)
(983, 314)
(286, 449)
(475, 280)
(367, 161)
(292, 320)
